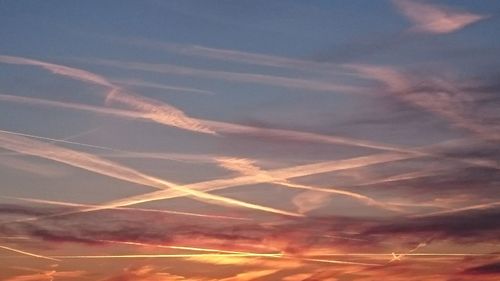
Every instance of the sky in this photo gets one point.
(249, 140)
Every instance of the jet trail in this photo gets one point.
(56, 140)
(28, 253)
(198, 249)
(285, 173)
(161, 256)
(51, 202)
(154, 114)
(101, 166)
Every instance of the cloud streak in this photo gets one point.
(98, 165)
(28, 253)
(160, 112)
(436, 19)
(440, 97)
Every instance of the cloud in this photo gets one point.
(250, 275)
(242, 57)
(305, 201)
(27, 253)
(296, 240)
(105, 167)
(157, 111)
(71, 72)
(436, 19)
(309, 200)
(166, 114)
(16, 210)
(241, 165)
(48, 275)
(485, 269)
(154, 111)
(440, 96)
(467, 225)
(152, 273)
(139, 83)
(147, 273)
(276, 176)
(277, 81)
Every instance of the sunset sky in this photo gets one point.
(323, 140)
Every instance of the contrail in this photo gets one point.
(71, 72)
(252, 179)
(157, 111)
(198, 249)
(139, 83)
(286, 173)
(223, 127)
(405, 177)
(242, 56)
(458, 210)
(224, 183)
(15, 237)
(162, 256)
(28, 254)
(56, 140)
(367, 200)
(246, 167)
(101, 166)
(254, 255)
(278, 81)
(216, 253)
(448, 102)
(339, 262)
(164, 113)
(277, 181)
(409, 254)
(120, 208)
(150, 112)
(297, 171)
(396, 257)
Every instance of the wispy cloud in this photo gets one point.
(436, 19)
(27, 253)
(154, 111)
(139, 83)
(439, 96)
(101, 166)
(157, 111)
(166, 114)
(279, 81)
(309, 200)
(278, 176)
(70, 72)
(243, 57)
(246, 167)
(48, 275)
(160, 112)
(87, 206)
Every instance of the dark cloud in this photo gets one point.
(471, 225)
(295, 235)
(12, 209)
(490, 268)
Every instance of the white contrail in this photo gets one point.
(105, 167)
(28, 253)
